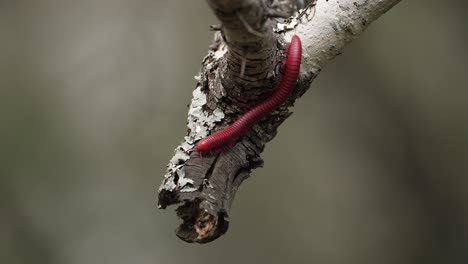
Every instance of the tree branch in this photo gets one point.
(238, 72)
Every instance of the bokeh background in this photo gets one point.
(371, 168)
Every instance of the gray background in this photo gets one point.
(371, 168)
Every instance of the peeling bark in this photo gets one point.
(239, 71)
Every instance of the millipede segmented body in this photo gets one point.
(229, 135)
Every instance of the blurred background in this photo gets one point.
(371, 168)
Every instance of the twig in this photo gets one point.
(206, 187)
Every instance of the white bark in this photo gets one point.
(335, 24)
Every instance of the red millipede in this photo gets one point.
(229, 135)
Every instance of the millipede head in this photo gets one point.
(203, 147)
